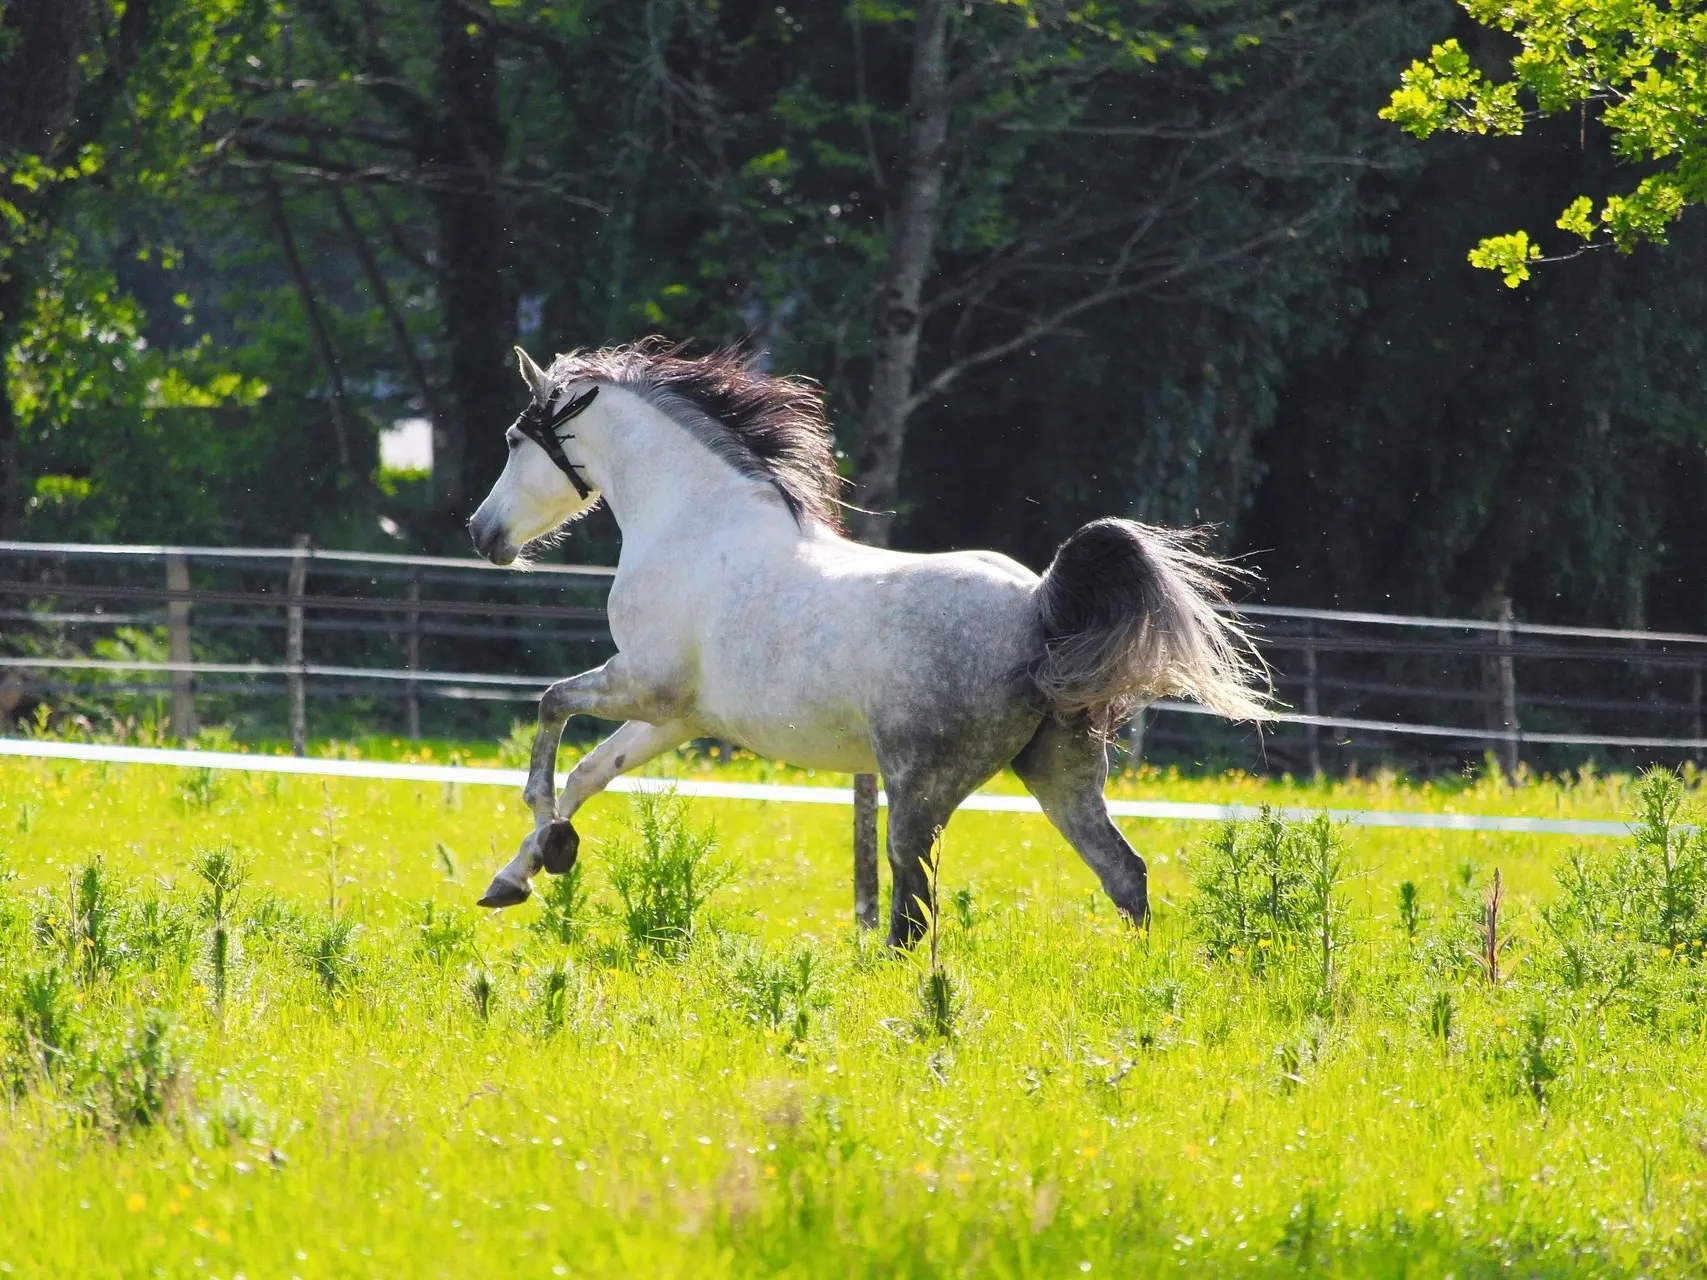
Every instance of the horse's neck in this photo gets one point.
(656, 475)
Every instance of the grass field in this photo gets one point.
(343, 1070)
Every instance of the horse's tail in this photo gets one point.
(1128, 616)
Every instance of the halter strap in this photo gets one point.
(539, 424)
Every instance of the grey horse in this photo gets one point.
(739, 611)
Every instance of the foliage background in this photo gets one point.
(1309, 362)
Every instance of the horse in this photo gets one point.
(741, 612)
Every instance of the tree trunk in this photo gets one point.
(11, 459)
(11, 454)
(912, 244)
(474, 292)
(38, 79)
(44, 40)
(388, 304)
(319, 339)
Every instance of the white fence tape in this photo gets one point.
(1161, 810)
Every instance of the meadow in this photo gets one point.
(252, 1026)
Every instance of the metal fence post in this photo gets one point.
(412, 658)
(1695, 705)
(1508, 692)
(178, 645)
(865, 849)
(1135, 738)
(1312, 702)
(298, 584)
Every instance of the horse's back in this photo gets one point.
(810, 657)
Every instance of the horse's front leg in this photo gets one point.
(609, 693)
(554, 839)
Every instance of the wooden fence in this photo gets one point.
(302, 623)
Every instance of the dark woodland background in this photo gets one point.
(1050, 261)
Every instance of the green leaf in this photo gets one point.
(1510, 254)
(1577, 218)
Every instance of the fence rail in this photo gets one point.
(404, 626)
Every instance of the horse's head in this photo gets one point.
(543, 486)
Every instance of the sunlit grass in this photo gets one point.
(1108, 1099)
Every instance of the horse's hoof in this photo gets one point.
(559, 845)
(503, 893)
(1137, 915)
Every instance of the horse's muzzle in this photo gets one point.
(490, 542)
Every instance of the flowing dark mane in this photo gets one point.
(768, 427)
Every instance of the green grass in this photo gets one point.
(466, 1095)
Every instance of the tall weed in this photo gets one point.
(664, 872)
(563, 906)
(146, 1078)
(443, 936)
(779, 995)
(222, 871)
(328, 948)
(44, 1035)
(93, 934)
(1629, 919)
(1269, 889)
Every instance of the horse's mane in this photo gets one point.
(771, 428)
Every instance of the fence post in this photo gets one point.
(1695, 704)
(178, 645)
(1312, 702)
(865, 849)
(1506, 674)
(412, 658)
(293, 646)
(1135, 738)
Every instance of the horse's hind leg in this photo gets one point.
(1065, 767)
(919, 808)
(925, 784)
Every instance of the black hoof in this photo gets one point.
(559, 844)
(1136, 914)
(501, 893)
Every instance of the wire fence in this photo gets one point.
(248, 636)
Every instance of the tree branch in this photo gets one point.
(382, 295)
(1115, 288)
(320, 341)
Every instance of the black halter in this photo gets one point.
(540, 425)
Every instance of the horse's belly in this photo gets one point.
(829, 742)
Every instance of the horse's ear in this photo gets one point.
(534, 376)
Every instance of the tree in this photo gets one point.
(52, 115)
(976, 183)
(97, 98)
(1633, 68)
(416, 98)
